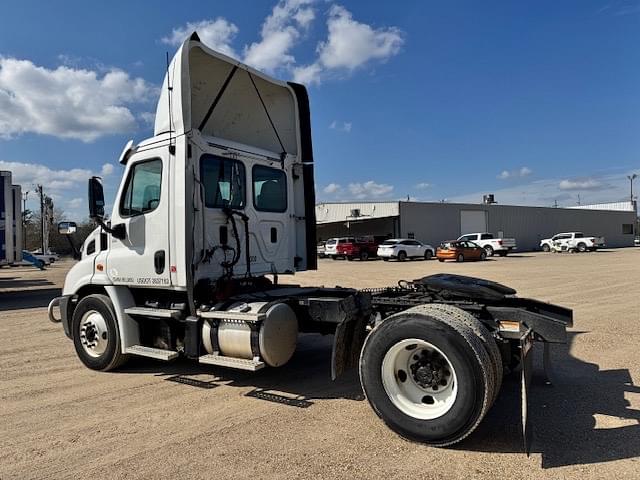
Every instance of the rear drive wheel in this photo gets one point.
(481, 331)
(503, 253)
(334, 257)
(349, 258)
(402, 256)
(428, 254)
(489, 250)
(460, 258)
(95, 333)
(427, 376)
(483, 256)
(441, 259)
(582, 247)
(364, 256)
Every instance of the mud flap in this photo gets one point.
(347, 343)
(526, 361)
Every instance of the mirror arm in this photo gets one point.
(119, 231)
(74, 249)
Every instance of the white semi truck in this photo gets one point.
(218, 206)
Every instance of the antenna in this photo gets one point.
(172, 148)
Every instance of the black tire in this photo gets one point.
(483, 256)
(428, 254)
(503, 253)
(349, 259)
(402, 256)
(441, 259)
(482, 332)
(489, 250)
(364, 256)
(386, 259)
(112, 357)
(334, 257)
(546, 248)
(582, 247)
(460, 258)
(469, 358)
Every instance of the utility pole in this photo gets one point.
(24, 219)
(631, 179)
(42, 219)
(633, 203)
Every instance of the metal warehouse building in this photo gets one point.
(433, 222)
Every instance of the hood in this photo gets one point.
(225, 99)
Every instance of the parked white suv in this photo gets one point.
(331, 247)
(403, 248)
(491, 244)
(571, 241)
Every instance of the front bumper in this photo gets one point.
(63, 303)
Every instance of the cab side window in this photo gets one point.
(142, 190)
(223, 180)
(269, 189)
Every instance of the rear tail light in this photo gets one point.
(499, 242)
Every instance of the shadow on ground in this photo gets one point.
(563, 415)
(36, 298)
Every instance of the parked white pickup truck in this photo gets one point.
(501, 246)
(571, 241)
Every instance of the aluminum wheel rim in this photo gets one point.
(403, 389)
(94, 336)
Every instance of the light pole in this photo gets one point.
(24, 220)
(631, 179)
(633, 204)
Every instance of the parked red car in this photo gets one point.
(358, 247)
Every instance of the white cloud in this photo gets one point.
(75, 203)
(308, 74)
(350, 45)
(67, 102)
(107, 169)
(31, 174)
(581, 184)
(216, 33)
(341, 126)
(280, 31)
(423, 185)
(511, 174)
(597, 188)
(370, 190)
(332, 188)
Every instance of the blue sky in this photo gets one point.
(534, 101)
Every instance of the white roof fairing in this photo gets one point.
(200, 77)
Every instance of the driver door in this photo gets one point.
(142, 206)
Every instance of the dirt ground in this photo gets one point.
(182, 420)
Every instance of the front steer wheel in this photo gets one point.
(95, 333)
(427, 375)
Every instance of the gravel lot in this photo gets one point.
(181, 420)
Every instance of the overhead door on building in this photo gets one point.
(472, 221)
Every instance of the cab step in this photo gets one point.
(232, 362)
(154, 312)
(232, 316)
(150, 352)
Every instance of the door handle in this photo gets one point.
(158, 261)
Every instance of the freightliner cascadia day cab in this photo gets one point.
(218, 206)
